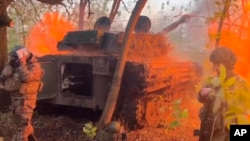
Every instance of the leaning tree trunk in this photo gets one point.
(114, 10)
(116, 83)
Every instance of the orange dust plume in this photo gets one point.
(43, 37)
(238, 39)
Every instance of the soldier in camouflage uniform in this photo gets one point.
(143, 25)
(213, 123)
(103, 24)
(22, 76)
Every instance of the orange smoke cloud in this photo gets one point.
(238, 39)
(43, 37)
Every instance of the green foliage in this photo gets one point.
(89, 130)
(178, 114)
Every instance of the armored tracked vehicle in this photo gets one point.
(81, 75)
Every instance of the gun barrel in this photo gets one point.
(174, 25)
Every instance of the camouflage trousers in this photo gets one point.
(23, 111)
(217, 132)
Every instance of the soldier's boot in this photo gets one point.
(32, 137)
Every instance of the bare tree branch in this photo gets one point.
(83, 4)
(90, 13)
(52, 2)
(67, 11)
(222, 18)
(37, 15)
(125, 6)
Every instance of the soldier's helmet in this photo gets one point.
(13, 52)
(103, 23)
(143, 25)
(223, 55)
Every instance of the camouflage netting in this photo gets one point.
(148, 45)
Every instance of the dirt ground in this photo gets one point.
(184, 132)
(56, 127)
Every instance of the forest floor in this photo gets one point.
(61, 127)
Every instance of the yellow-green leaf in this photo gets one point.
(230, 82)
(235, 110)
(174, 124)
(223, 73)
(242, 119)
(177, 102)
(229, 120)
(85, 130)
(216, 82)
(93, 129)
(88, 125)
(184, 113)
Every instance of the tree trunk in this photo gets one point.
(4, 96)
(3, 47)
(3, 35)
(82, 6)
(114, 10)
(116, 82)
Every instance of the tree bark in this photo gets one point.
(116, 82)
(114, 10)
(4, 96)
(3, 47)
(82, 6)
(3, 35)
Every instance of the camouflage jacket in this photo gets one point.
(229, 100)
(10, 78)
(26, 77)
(30, 75)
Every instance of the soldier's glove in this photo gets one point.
(203, 95)
(23, 60)
(22, 55)
(205, 91)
